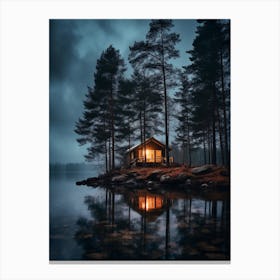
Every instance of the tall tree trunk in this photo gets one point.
(190, 155)
(112, 126)
(106, 158)
(141, 133)
(165, 103)
(209, 144)
(224, 109)
(109, 153)
(214, 151)
(165, 119)
(144, 131)
(128, 161)
(129, 136)
(184, 151)
(221, 137)
(105, 147)
(189, 141)
(204, 148)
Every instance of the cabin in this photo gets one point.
(150, 152)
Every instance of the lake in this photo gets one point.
(116, 224)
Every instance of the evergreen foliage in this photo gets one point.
(119, 110)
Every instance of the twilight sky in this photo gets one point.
(75, 46)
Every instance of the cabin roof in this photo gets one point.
(151, 139)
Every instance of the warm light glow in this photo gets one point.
(150, 155)
(150, 202)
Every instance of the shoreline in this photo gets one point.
(204, 177)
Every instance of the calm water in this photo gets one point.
(102, 224)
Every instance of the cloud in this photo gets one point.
(75, 46)
(63, 47)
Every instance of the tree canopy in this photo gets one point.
(119, 110)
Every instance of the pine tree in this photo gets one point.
(97, 127)
(126, 115)
(147, 106)
(183, 130)
(154, 54)
(208, 56)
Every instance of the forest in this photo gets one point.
(190, 105)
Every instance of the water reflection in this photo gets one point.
(137, 225)
(150, 202)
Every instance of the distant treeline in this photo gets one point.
(193, 102)
(198, 156)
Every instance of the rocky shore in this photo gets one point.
(203, 177)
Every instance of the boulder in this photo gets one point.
(204, 186)
(188, 182)
(140, 179)
(150, 184)
(204, 169)
(165, 178)
(130, 182)
(173, 180)
(155, 175)
(182, 177)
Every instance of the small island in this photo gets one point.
(145, 167)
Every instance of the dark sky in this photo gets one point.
(75, 45)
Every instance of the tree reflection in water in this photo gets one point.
(140, 225)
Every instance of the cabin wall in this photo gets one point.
(155, 153)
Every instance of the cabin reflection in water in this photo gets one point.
(144, 201)
(147, 204)
(150, 203)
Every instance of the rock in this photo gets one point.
(140, 179)
(188, 182)
(130, 182)
(155, 175)
(173, 180)
(204, 186)
(119, 178)
(164, 178)
(150, 183)
(182, 177)
(202, 169)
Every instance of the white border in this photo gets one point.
(24, 138)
